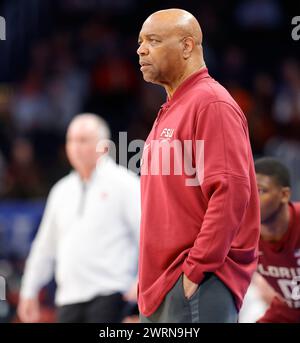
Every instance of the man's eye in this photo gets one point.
(154, 41)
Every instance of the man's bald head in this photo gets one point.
(177, 21)
(83, 136)
(92, 124)
(170, 47)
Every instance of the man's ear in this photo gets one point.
(286, 194)
(188, 47)
(103, 147)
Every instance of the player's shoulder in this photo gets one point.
(126, 175)
(210, 93)
(63, 184)
(295, 222)
(118, 173)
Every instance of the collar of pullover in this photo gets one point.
(188, 83)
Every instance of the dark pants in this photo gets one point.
(102, 309)
(211, 303)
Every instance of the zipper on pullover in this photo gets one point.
(82, 199)
(163, 109)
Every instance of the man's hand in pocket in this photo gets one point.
(189, 287)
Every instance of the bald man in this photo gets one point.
(88, 235)
(199, 226)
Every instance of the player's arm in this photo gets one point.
(267, 292)
(225, 187)
(39, 264)
(132, 214)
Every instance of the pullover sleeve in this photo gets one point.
(39, 265)
(224, 185)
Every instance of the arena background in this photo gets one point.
(63, 57)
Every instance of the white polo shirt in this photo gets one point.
(88, 236)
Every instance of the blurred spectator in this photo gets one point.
(114, 77)
(234, 65)
(2, 169)
(22, 179)
(66, 92)
(31, 108)
(88, 235)
(81, 5)
(261, 125)
(153, 96)
(258, 13)
(6, 126)
(287, 100)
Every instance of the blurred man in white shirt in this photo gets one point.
(88, 236)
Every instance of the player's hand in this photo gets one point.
(131, 295)
(189, 287)
(29, 310)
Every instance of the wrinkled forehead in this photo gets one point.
(266, 180)
(158, 26)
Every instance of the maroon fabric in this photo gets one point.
(212, 226)
(279, 312)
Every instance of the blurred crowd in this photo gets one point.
(67, 57)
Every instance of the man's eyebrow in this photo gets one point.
(149, 35)
(153, 35)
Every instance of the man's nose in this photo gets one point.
(142, 50)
